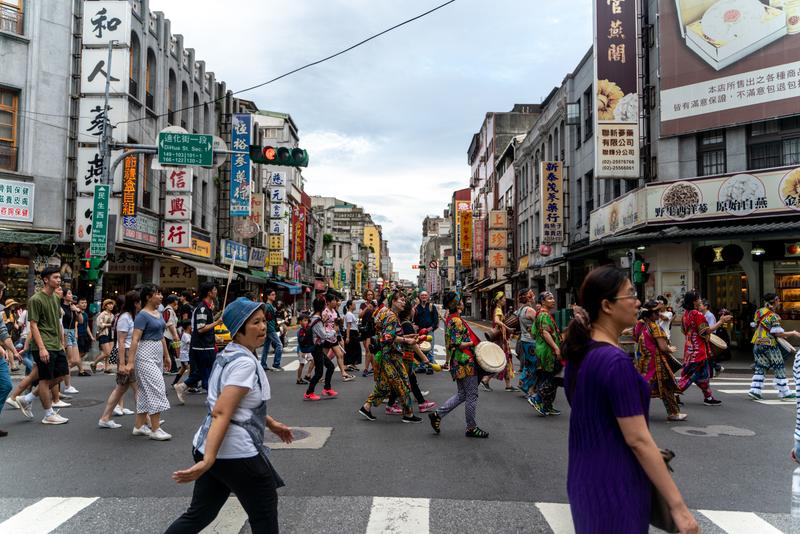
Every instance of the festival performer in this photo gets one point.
(526, 347)
(654, 352)
(412, 357)
(505, 335)
(390, 372)
(766, 353)
(696, 351)
(460, 342)
(548, 351)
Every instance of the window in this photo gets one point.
(617, 189)
(198, 113)
(172, 98)
(536, 173)
(775, 154)
(195, 207)
(588, 183)
(11, 16)
(150, 90)
(185, 106)
(711, 153)
(579, 202)
(588, 113)
(9, 102)
(148, 187)
(203, 204)
(134, 66)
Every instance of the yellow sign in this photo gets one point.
(275, 242)
(199, 248)
(359, 265)
(275, 258)
(358, 277)
(466, 238)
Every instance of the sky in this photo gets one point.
(387, 126)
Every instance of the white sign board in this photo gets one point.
(105, 21)
(90, 122)
(94, 70)
(90, 170)
(84, 210)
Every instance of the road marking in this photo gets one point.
(46, 515)
(316, 438)
(558, 517)
(231, 518)
(775, 402)
(739, 522)
(397, 515)
(732, 391)
(291, 366)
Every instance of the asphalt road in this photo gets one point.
(732, 458)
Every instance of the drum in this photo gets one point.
(490, 357)
(511, 322)
(786, 348)
(717, 344)
(425, 347)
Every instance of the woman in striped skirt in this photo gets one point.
(150, 358)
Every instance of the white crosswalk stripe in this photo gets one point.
(740, 386)
(395, 515)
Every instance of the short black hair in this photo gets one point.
(47, 271)
(318, 305)
(205, 288)
(769, 297)
(83, 298)
(186, 294)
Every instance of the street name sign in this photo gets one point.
(185, 149)
(102, 194)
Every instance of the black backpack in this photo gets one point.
(307, 339)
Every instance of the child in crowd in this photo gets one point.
(183, 355)
(304, 354)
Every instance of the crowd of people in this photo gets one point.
(145, 336)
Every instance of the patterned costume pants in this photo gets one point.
(546, 390)
(529, 363)
(796, 373)
(467, 393)
(391, 376)
(696, 373)
(769, 359)
(152, 395)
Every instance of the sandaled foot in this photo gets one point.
(436, 421)
(476, 433)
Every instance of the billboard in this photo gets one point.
(616, 87)
(727, 62)
(552, 195)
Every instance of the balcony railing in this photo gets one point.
(8, 158)
(11, 20)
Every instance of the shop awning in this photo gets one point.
(260, 274)
(294, 289)
(204, 269)
(29, 238)
(472, 286)
(248, 277)
(496, 285)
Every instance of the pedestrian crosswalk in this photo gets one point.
(740, 386)
(340, 515)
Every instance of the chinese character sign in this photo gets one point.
(466, 238)
(177, 234)
(498, 239)
(179, 179)
(106, 20)
(461, 205)
(478, 240)
(177, 207)
(240, 165)
(93, 117)
(130, 177)
(498, 220)
(616, 85)
(299, 231)
(95, 71)
(498, 259)
(234, 253)
(16, 201)
(277, 179)
(90, 169)
(102, 197)
(552, 195)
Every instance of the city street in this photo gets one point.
(732, 463)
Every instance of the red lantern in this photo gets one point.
(545, 250)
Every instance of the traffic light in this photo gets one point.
(640, 274)
(279, 155)
(92, 268)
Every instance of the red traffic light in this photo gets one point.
(270, 154)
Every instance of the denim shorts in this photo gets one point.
(71, 340)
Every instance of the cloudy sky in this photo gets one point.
(388, 125)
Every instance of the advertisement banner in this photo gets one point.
(466, 238)
(625, 213)
(498, 239)
(498, 259)
(257, 210)
(177, 207)
(552, 195)
(16, 201)
(616, 83)
(461, 205)
(258, 258)
(176, 275)
(92, 117)
(728, 62)
(241, 134)
(105, 21)
(275, 258)
(130, 181)
(233, 252)
(299, 225)
(198, 247)
(144, 229)
(498, 220)
(478, 240)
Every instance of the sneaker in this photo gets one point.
(61, 404)
(54, 419)
(789, 397)
(65, 397)
(277, 368)
(512, 388)
(160, 435)
(364, 374)
(108, 424)
(754, 396)
(677, 417)
(427, 406)
(348, 378)
(553, 411)
(311, 397)
(118, 411)
(24, 407)
(71, 390)
(366, 413)
(425, 393)
(11, 402)
(301, 381)
(126, 411)
(143, 430)
(394, 410)
(538, 406)
(720, 370)
(180, 392)
(428, 371)
(411, 419)
(485, 387)
(476, 433)
(436, 421)
(329, 393)
(711, 401)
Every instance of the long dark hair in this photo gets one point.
(689, 299)
(131, 298)
(602, 283)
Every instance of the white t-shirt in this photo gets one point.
(351, 321)
(666, 324)
(173, 320)
(240, 372)
(710, 319)
(186, 342)
(125, 324)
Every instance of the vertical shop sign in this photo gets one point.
(130, 178)
(466, 238)
(552, 195)
(241, 135)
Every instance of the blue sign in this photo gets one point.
(241, 134)
(233, 253)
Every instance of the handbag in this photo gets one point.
(660, 516)
(113, 358)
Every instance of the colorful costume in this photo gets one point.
(526, 351)
(653, 364)
(463, 368)
(767, 354)
(695, 353)
(548, 365)
(390, 372)
(508, 372)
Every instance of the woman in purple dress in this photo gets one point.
(613, 461)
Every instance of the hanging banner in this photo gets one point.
(461, 206)
(130, 182)
(478, 239)
(241, 135)
(552, 195)
(466, 238)
(299, 225)
(616, 83)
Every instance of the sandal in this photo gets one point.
(436, 421)
(84, 373)
(301, 381)
(476, 433)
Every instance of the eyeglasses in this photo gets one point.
(632, 295)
